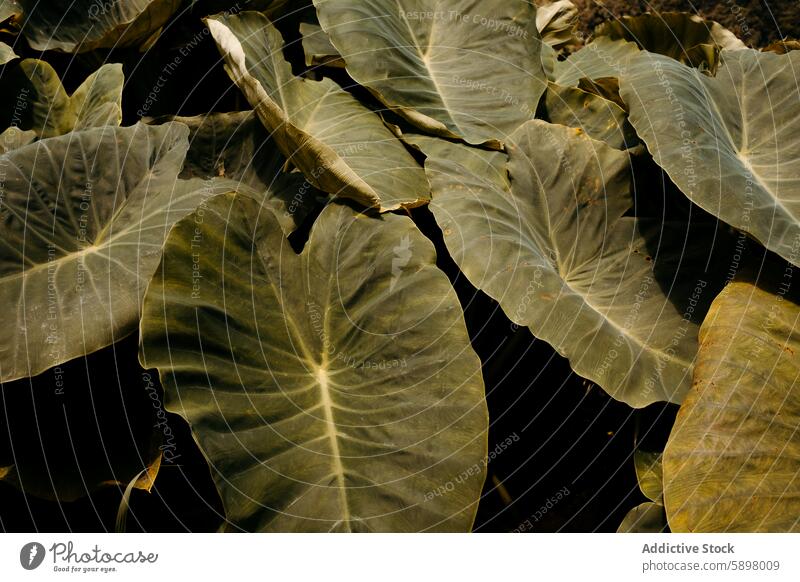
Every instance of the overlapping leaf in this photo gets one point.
(439, 64)
(731, 143)
(557, 23)
(600, 118)
(96, 102)
(341, 146)
(84, 216)
(674, 34)
(600, 58)
(236, 146)
(731, 463)
(320, 405)
(556, 248)
(84, 25)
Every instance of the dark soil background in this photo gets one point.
(570, 467)
(756, 22)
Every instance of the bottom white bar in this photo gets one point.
(393, 557)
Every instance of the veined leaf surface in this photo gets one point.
(731, 462)
(731, 143)
(342, 147)
(440, 64)
(327, 392)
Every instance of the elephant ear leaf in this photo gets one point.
(319, 404)
(441, 69)
(341, 146)
(554, 243)
(84, 217)
(724, 149)
(97, 102)
(85, 25)
(730, 464)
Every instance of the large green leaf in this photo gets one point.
(731, 143)
(556, 247)
(84, 216)
(462, 68)
(331, 391)
(237, 147)
(341, 146)
(97, 102)
(731, 463)
(84, 25)
(673, 34)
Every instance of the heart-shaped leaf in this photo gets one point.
(84, 216)
(556, 247)
(335, 390)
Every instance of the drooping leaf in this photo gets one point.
(673, 34)
(600, 58)
(237, 147)
(649, 474)
(555, 246)
(557, 23)
(341, 146)
(318, 48)
(440, 65)
(731, 462)
(600, 118)
(731, 143)
(84, 25)
(319, 403)
(84, 216)
(7, 53)
(645, 518)
(97, 102)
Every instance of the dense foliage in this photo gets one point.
(291, 256)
